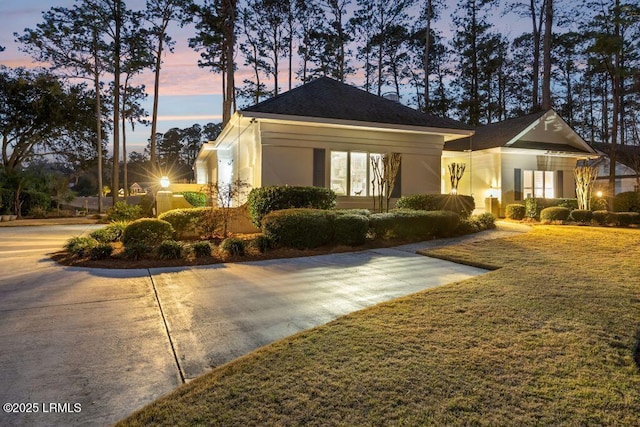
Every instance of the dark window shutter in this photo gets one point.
(397, 188)
(560, 180)
(318, 167)
(517, 184)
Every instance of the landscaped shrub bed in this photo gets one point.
(462, 205)
(233, 246)
(110, 233)
(515, 211)
(122, 211)
(263, 200)
(602, 217)
(554, 213)
(413, 224)
(170, 249)
(625, 219)
(350, 229)
(189, 222)
(535, 205)
(299, 228)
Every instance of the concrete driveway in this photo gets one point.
(90, 346)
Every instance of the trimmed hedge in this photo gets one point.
(625, 219)
(190, 221)
(581, 215)
(263, 200)
(515, 211)
(554, 213)
(298, 228)
(413, 224)
(462, 205)
(628, 201)
(194, 198)
(350, 229)
(535, 205)
(122, 211)
(147, 231)
(602, 217)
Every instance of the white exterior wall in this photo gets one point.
(285, 165)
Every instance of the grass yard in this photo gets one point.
(548, 339)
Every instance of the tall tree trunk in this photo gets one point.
(425, 59)
(546, 73)
(153, 157)
(537, 28)
(615, 74)
(96, 83)
(115, 184)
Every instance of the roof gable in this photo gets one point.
(330, 99)
(543, 130)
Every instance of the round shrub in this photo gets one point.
(186, 222)
(363, 212)
(233, 246)
(515, 211)
(170, 249)
(110, 233)
(137, 250)
(80, 246)
(554, 213)
(602, 217)
(298, 228)
(625, 219)
(350, 229)
(121, 211)
(410, 224)
(486, 220)
(581, 215)
(462, 205)
(149, 231)
(201, 249)
(101, 251)
(263, 200)
(261, 243)
(534, 206)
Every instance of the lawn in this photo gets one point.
(546, 339)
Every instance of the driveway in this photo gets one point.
(90, 346)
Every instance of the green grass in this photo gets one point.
(548, 339)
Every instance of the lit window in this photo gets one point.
(352, 173)
(538, 184)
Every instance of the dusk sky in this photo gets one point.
(188, 94)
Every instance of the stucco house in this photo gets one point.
(324, 133)
(506, 162)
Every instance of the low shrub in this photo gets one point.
(233, 246)
(261, 243)
(515, 211)
(32, 200)
(350, 229)
(476, 223)
(629, 201)
(170, 249)
(149, 231)
(462, 205)
(298, 228)
(598, 204)
(38, 212)
(602, 217)
(534, 206)
(80, 246)
(101, 251)
(581, 215)
(413, 224)
(137, 250)
(263, 200)
(363, 212)
(625, 219)
(194, 198)
(487, 220)
(555, 213)
(186, 222)
(201, 249)
(110, 233)
(122, 211)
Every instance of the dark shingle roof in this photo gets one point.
(628, 155)
(331, 99)
(495, 134)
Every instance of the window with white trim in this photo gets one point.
(352, 173)
(538, 184)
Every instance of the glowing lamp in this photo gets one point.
(164, 182)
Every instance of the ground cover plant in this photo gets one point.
(547, 339)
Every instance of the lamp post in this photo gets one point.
(163, 197)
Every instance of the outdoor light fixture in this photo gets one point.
(454, 191)
(599, 194)
(164, 182)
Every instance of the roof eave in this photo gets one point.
(449, 134)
